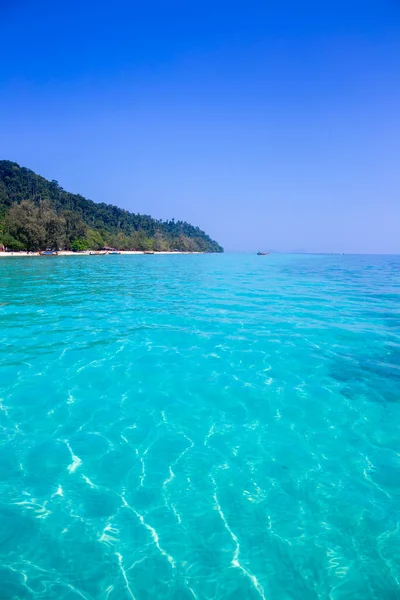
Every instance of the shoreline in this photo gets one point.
(88, 253)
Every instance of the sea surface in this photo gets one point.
(212, 427)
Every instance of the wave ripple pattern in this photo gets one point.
(207, 427)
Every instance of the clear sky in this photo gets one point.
(270, 124)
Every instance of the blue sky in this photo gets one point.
(268, 124)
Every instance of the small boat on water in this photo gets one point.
(49, 253)
(114, 252)
(262, 253)
(148, 252)
(97, 253)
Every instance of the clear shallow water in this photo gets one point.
(212, 427)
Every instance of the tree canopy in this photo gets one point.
(36, 213)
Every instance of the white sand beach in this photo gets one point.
(88, 253)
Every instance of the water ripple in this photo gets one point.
(217, 427)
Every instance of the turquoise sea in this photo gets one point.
(211, 427)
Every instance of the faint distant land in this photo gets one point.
(36, 214)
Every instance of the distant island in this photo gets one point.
(36, 214)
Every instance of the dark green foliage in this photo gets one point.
(38, 213)
(24, 223)
(94, 239)
(80, 245)
(11, 243)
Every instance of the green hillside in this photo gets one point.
(36, 213)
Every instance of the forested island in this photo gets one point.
(36, 214)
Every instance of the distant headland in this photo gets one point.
(36, 214)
